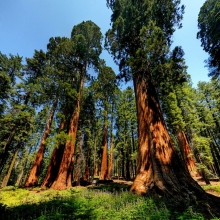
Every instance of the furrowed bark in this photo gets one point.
(159, 167)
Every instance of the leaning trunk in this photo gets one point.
(32, 179)
(159, 167)
(4, 152)
(7, 176)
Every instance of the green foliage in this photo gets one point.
(85, 204)
(209, 34)
(141, 33)
(213, 188)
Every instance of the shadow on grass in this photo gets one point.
(58, 208)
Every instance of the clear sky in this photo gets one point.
(26, 25)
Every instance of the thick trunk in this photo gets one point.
(7, 176)
(159, 168)
(53, 167)
(32, 179)
(104, 162)
(65, 174)
(186, 153)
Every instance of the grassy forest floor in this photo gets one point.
(110, 201)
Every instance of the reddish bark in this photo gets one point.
(104, 162)
(111, 158)
(186, 153)
(65, 174)
(159, 168)
(55, 161)
(32, 179)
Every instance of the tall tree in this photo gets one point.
(139, 41)
(104, 88)
(87, 38)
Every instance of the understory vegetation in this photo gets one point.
(103, 202)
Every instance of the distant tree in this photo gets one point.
(104, 89)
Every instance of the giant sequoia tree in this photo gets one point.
(139, 42)
(87, 39)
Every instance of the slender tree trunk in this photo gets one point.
(5, 149)
(215, 160)
(111, 157)
(65, 174)
(18, 181)
(104, 162)
(86, 175)
(186, 153)
(159, 168)
(95, 164)
(77, 173)
(133, 148)
(7, 176)
(32, 179)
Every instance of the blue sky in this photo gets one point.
(26, 25)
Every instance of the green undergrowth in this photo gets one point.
(92, 203)
(214, 188)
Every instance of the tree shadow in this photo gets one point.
(57, 208)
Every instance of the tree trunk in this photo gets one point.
(111, 157)
(159, 168)
(95, 164)
(7, 176)
(134, 168)
(18, 181)
(78, 173)
(53, 167)
(104, 162)
(65, 174)
(215, 160)
(5, 149)
(32, 179)
(186, 153)
(86, 175)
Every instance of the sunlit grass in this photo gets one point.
(82, 203)
(215, 188)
